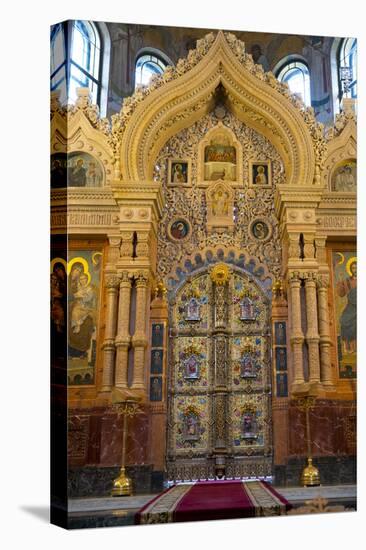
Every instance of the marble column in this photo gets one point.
(326, 374)
(139, 339)
(112, 284)
(297, 336)
(123, 334)
(312, 333)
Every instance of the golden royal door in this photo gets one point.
(219, 419)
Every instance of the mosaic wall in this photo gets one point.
(76, 282)
(345, 298)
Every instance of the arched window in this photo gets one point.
(296, 74)
(347, 66)
(58, 61)
(148, 64)
(80, 58)
(84, 59)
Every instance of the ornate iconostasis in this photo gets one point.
(211, 276)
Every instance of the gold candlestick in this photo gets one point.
(310, 476)
(122, 485)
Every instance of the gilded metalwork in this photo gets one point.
(220, 274)
(205, 377)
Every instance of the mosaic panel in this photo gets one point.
(191, 419)
(248, 312)
(247, 361)
(191, 363)
(249, 428)
(191, 308)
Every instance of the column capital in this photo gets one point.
(310, 278)
(112, 282)
(322, 281)
(125, 279)
(141, 278)
(294, 277)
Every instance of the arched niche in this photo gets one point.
(73, 132)
(76, 169)
(186, 94)
(219, 157)
(343, 177)
(342, 150)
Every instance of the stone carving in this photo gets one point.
(192, 203)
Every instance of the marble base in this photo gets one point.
(94, 481)
(333, 470)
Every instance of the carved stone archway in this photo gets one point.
(184, 94)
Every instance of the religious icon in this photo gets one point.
(247, 312)
(220, 203)
(260, 174)
(345, 274)
(83, 171)
(281, 383)
(345, 177)
(281, 359)
(58, 170)
(156, 388)
(348, 288)
(191, 367)
(179, 229)
(247, 364)
(280, 333)
(260, 230)
(191, 427)
(179, 172)
(157, 335)
(157, 361)
(193, 310)
(249, 427)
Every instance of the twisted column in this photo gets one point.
(123, 335)
(112, 284)
(297, 337)
(326, 374)
(312, 333)
(139, 339)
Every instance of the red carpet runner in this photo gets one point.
(206, 500)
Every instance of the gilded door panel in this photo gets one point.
(189, 436)
(248, 363)
(192, 307)
(191, 361)
(248, 312)
(219, 383)
(251, 438)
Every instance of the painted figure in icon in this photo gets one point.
(260, 230)
(82, 317)
(191, 367)
(156, 389)
(77, 174)
(220, 203)
(249, 426)
(247, 309)
(191, 426)
(345, 180)
(193, 310)
(247, 366)
(261, 178)
(348, 319)
(179, 229)
(179, 174)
